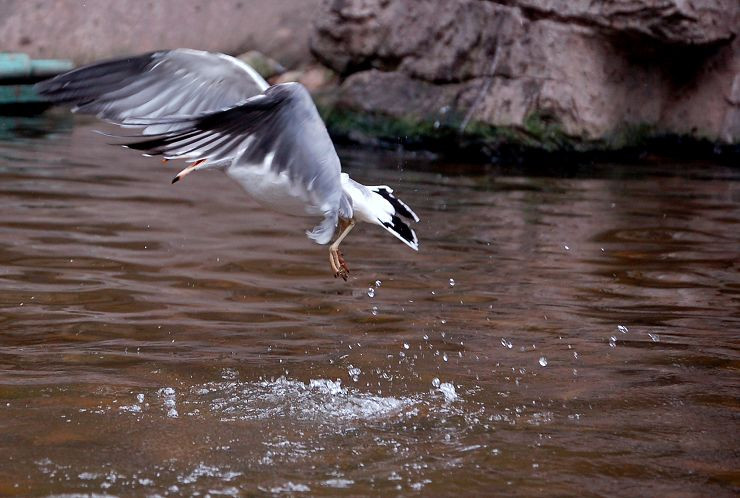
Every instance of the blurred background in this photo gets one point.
(569, 327)
(469, 75)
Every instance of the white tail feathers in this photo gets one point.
(396, 225)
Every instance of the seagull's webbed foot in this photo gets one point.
(338, 265)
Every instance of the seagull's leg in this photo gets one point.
(188, 170)
(338, 266)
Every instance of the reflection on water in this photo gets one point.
(554, 335)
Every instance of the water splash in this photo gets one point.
(319, 400)
(448, 390)
(168, 395)
(543, 361)
(354, 372)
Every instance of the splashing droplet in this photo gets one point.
(622, 329)
(543, 361)
(377, 283)
(654, 337)
(370, 292)
(449, 392)
(612, 342)
(444, 356)
(506, 344)
(374, 311)
(435, 382)
(354, 372)
(452, 282)
(405, 346)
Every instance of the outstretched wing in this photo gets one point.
(281, 124)
(180, 82)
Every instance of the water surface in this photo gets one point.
(556, 334)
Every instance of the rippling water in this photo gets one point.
(556, 334)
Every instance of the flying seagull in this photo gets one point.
(216, 112)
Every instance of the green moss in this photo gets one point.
(546, 132)
(632, 135)
(539, 132)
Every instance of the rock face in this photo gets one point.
(595, 71)
(86, 31)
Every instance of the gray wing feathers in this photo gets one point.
(156, 85)
(282, 122)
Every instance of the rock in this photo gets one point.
(87, 31)
(264, 65)
(315, 78)
(589, 71)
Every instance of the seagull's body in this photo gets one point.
(216, 112)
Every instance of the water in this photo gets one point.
(555, 335)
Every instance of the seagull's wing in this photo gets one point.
(180, 82)
(280, 129)
(282, 123)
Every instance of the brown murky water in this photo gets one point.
(572, 335)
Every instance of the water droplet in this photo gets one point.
(452, 282)
(612, 342)
(567, 248)
(622, 329)
(426, 337)
(370, 292)
(377, 283)
(435, 382)
(654, 337)
(506, 344)
(405, 346)
(140, 397)
(354, 372)
(374, 311)
(543, 361)
(444, 356)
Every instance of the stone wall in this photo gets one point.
(595, 71)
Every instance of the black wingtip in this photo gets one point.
(176, 179)
(401, 230)
(400, 207)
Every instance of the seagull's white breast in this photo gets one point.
(274, 190)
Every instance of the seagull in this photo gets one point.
(216, 112)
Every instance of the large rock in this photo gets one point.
(590, 70)
(90, 30)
